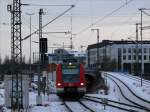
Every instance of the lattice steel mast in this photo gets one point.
(16, 56)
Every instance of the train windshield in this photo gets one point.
(70, 73)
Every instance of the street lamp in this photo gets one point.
(30, 14)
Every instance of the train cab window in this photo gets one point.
(70, 73)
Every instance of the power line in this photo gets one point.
(72, 6)
(45, 5)
(146, 13)
(104, 17)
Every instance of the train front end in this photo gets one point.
(70, 80)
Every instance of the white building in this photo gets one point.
(60, 54)
(123, 53)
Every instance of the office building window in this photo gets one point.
(124, 57)
(140, 50)
(145, 50)
(129, 57)
(129, 50)
(134, 50)
(140, 57)
(124, 50)
(144, 57)
(134, 57)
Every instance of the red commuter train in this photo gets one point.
(70, 79)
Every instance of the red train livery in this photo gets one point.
(70, 79)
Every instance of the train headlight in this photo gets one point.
(58, 84)
(81, 83)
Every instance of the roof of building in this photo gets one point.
(110, 42)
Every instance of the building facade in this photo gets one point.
(124, 56)
(60, 54)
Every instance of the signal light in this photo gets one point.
(43, 45)
(58, 84)
(81, 83)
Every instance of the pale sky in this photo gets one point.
(119, 25)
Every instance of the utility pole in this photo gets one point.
(137, 49)
(142, 10)
(71, 43)
(81, 46)
(16, 56)
(98, 66)
(30, 14)
(141, 33)
(39, 97)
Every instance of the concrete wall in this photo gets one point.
(8, 89)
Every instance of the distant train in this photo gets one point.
(70, 79)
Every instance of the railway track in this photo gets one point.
(115, 104)
(138, 101)
(147, 82)
(68, 107)
(73, 105)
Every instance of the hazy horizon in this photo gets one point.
(119, 25)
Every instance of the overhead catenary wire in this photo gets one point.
(72, 6)
(37, 29)
(146, 13)
(45, 5)
(105, 16)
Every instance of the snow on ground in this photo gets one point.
(52, 103)
(1, 96)
(53, 107)
(142, 91)
(98, 107)
(112, 92)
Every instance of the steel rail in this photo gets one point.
(145, 108)
(136, 78)
(128, 110)
(85, 106)
(82, 104)
(120, 103)
(70, 110)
